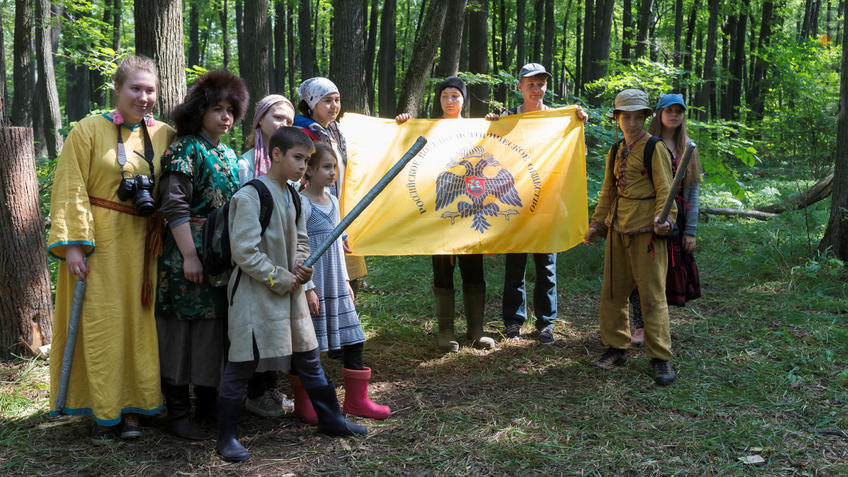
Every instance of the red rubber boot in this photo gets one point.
(302, 405)
(356, 400)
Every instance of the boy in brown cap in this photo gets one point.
(635, 255)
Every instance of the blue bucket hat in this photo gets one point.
(667, 100)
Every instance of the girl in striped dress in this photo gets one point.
(329, 295)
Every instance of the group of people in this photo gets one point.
(130, 199)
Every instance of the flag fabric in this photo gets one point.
(517, 184)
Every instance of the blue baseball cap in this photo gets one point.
(667, 100)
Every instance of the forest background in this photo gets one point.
(760, 355)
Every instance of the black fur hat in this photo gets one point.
(209, 89)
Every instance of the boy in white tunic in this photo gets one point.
(268, 314)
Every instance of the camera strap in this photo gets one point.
(148, 149)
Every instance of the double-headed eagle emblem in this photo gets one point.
(477, 186)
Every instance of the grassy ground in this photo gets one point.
(760, 357)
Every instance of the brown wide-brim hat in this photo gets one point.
(630, 100)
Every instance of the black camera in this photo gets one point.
(139, 190)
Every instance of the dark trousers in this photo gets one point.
(260, 383)
(544, 290)
(470, 267)
(306, 365)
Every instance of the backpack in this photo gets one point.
(215, 253)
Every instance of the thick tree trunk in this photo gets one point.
(478, 58)
(626, 29)
(600, 46)
(423, 55)
(370, 50)
(386, 61)
(547, 49)
(23, 76)
(255, 54)
(26, 314)
(47, 79)
(348, 55)
(304, 31)
(732, 97)
(836, 235)
(116, 24)
(451, 40)
(4, 95)
(706, 99)
(292, 55)
(678, 30)
(761, 63)
(538, 21)
(520, 27)
(159, 35)
(588, 39)
(78, 88)
(642, 25)
(278, 85)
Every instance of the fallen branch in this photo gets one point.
(819, 191)
(756, 214)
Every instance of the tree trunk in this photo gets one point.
(451, 40)
(26, 314)
(116, 24)
(278, 83)
(22, 65)
(370, 50)
(223, 14)
(547, 50)
(539, 9)
(563, 78)
(348, 55)
(732, 97)
(47, 79)
(77, 87)
(386, 61)
(588, 38)
(159, 35)
(193, 35)
(423, 55)
(478, 58)
(304, 31)
(836, 235)
(255, 54)
(505, 52)
(678, 30)
(689, 53)
(292, 55)
(599, 46)
(578, 56)
(706, 99)
(626, 29)
(520, 26)
(642, 25)
(4, 95)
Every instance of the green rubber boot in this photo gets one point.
(474, 297)
(445, 313)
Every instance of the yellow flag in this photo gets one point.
(517, 184)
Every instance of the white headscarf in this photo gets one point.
(313, 89)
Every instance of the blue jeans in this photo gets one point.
(544, 291)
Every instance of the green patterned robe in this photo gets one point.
(214, 177)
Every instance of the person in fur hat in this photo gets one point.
(199, 174)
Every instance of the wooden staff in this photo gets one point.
(678, 179)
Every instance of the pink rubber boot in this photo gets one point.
(356, 400)
(302, 405)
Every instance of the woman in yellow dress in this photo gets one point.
(107, 237)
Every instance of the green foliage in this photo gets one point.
(651, 77)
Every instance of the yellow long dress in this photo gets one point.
(115, 368)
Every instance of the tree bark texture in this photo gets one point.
(706, 99)
(538, 25)
(387, 101)
(47, 79)
(348, 55)
(737, 67)
(642, 25)
(26, 314)
(520, 27)
(548, 44)
(423, 55)
(678, 30)
(291, 49)
(690, 34)
(22, 67)
(255, 56)
(279, 66)
(836, 235)
(225, 33)
(370, 51)
(760, 62)
(478, 58)
(193, 35)
(597, 51)
(159, 35)
(78, 87)
(626, 28)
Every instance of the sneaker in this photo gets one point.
(663, 372)
(264, 406)
(286, 404)
(513, 331)
(102, 434)
(546, 335)
(129, 427)
(638, 336)
(611, 358)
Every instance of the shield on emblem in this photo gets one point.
(476, 186)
